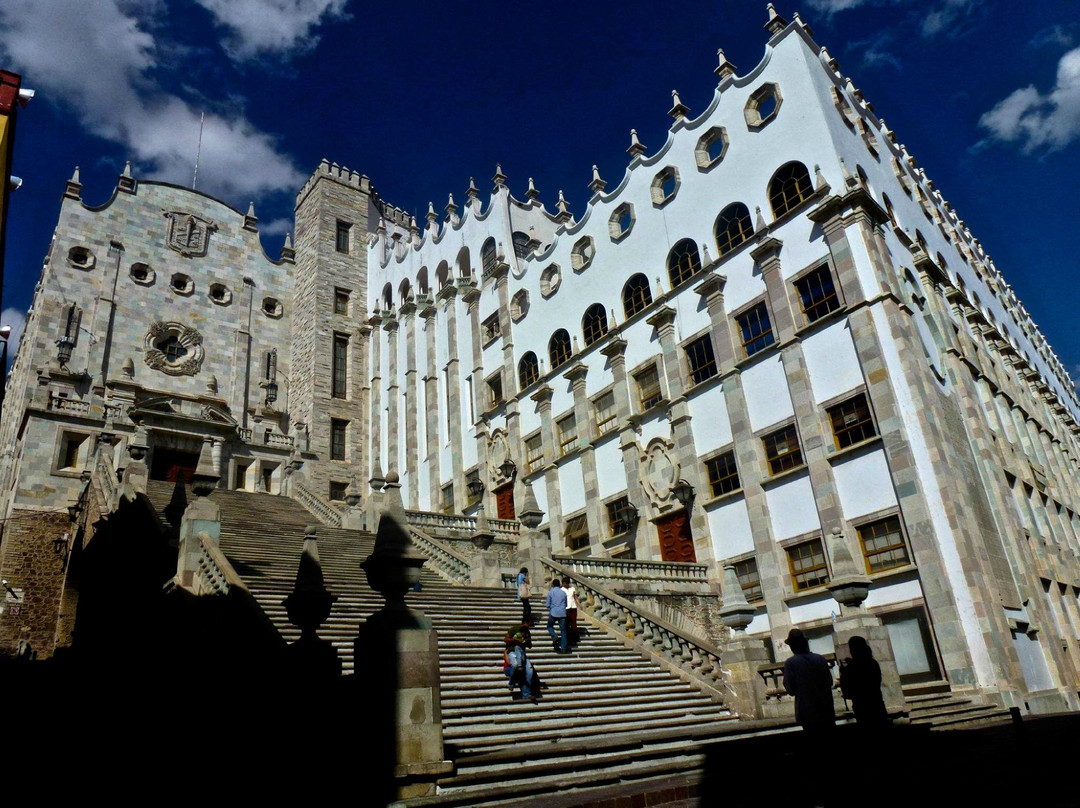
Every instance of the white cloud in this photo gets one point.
(276, 227)
(833, 6)
(1040, 122)
(103, 74)
(17, 320)
(947, 15)
(272, 26)
(1055, 35)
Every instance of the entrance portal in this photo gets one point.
(676, 543)
(504, 502)
(169, 464)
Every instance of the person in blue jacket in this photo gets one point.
(556, 606)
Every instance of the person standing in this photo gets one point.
(860, 682)
(808, 678)
(556, 606)
(523, 594)
(571, 609)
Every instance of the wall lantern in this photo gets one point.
(684, 492)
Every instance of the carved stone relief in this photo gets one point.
(174, 348)
(659, 474)
(188, 234)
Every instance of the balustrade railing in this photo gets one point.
(244, 433)
(106, 479)
(453, 566)
(773, 676)
(696, 660)
(214, 572)
(274, 439)
(327, 513)
(502, 528)
(71, 405)
(633, 570)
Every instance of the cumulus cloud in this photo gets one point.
(1037, 121)
(276, 227)
(272, 26)
(104, 75)
(17, 320)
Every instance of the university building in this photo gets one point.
(769, 342)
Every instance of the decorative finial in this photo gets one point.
(251, 221)
(499, 179)
(705, 258)
(724, 68)
(776, 23)
(820, 185)
(637, 148)
(472, 194)
(126, 182)
(597, 185)
(563, 208)
(287, 251)
(432, 216)
(381, 229)
(759, 220)
(849, 180)
(532, 194)
(829, 60)
(451, 209)
(678, 108)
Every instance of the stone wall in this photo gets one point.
(34, 571)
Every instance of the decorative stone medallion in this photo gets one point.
(659, 473)
(174, 348)
(188, 234)
(498, 453)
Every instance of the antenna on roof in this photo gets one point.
(198, 151)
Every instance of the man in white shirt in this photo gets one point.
(571, 609)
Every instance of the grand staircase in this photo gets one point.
(608, 715)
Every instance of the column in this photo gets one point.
(542, 397)
(393, 431)
(376, 395)
(412, 448)
(432, 409)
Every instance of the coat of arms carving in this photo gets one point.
(188, 234)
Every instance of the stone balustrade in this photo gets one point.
(633, 570)
(244, 433)
(503, 528)
(274, 439)
(105, 479)
(775, 694)
(113, 412)
(452, 566)
(694, 660)
(326, 513)
(214, 574)
(73, 406)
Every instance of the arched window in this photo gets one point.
(683, 262)
(422, 287)
(442, 275)
(528, 370)
(594, 323)
(405, 291)
(520, 242)
(889, 209)
(636, 295)
(388, 296)
(487, 257)
(733, 227)
(559, 348)
(789, 187)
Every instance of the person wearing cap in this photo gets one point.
(808, 678)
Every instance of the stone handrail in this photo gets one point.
(274, 439)
(773, 676)
(502, 528)
(214, 573)
(244, 433)
(694, 660)
(452, 566)
(73, 405)
(633, 570)
(106, 481)
(327, 513)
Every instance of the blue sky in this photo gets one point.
(986, 95)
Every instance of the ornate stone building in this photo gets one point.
(770, 343)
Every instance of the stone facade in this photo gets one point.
(771, 328)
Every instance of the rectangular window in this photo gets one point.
(604, 410)
(340, 365)
(448, 498)
(851, 422)
(337, 491)
(755, 329)
(490, 330)
(534, 452)
(577, 532)
(73, 451)
(807, 564)
(749, 579)
(337, 438)
(782, 450)
(817, 293)
(495, 390)
(568, 437)
(701, 359)
(341, 301)
(621, 516)
(723, 475)
(883, 545)
(342, 242)
(648, 385)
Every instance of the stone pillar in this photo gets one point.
(135, 472)
(201, 520)
(767, 256)
(310, 658)
(376, 395)
(412, 448)
(397, 652)
(849, 587)
(743, 655)
(432, 409)
(484, 567)
(353, 518)
(393, 427)
(586, 434)
(615, 351)
(532, 544)
(542, 397)
(453, 394)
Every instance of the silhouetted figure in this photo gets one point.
(807, 677)
(523, 594)
(860, 682)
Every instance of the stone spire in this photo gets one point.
(126, 182)
(499, 179)
(472, 194)
(725, 68)
(678, 110)
(432, 217)
(251, 221)
(776, 23)
(73, 188)
(597, 185)
(451, 210)
(206, 476)
(637, 148)
(563, 208)
(532, 194)
(287, 251)
(308, 605)
(530, 514)
(736, 612)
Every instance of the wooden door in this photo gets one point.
(676, 543)
(504, 502)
